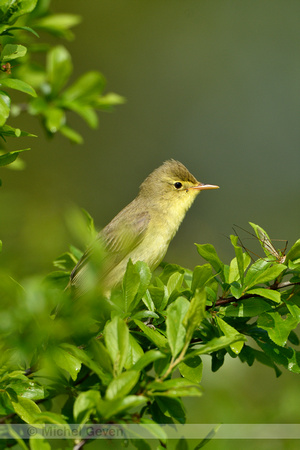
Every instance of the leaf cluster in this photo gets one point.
(38, 74)
(133, 357)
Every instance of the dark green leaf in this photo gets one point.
(173, 407)
(24, 29)
(247, 308)
(155, 336)
(8, 158)
(7, 130)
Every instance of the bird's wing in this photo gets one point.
(119, 238)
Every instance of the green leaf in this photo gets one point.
(59, 68)
(195, 314)
(7, 130)
(177, 387)
(135, 352)
(86, 88)
(145, 276)
(101, 355)
(9, 29)
(294, 252)
(106, 102)
(10, 11)
(86, 359)
(71, 134)
(66, 261)
(26, 389)
(239, 257)
(230, 332)
(234, 269)
(58, 24)
(208, 252)
(66, 361)
(262, 272)
(148, 358)
(247, 308)
(214, 345)
(26, 409)
(85, 405)
(131, 282)
(12, 51)
(271, 294)
(174, 282)
(19, 85)
(116, 335)
(191, 369)
(176, 331)
(201, 275)
(110, 408)
(55, 119)
(4, 107)
(8, 158)
(169, 409)
(278, 328)
(122, 384)
(155, 336)
(86, 112)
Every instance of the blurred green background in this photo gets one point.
(214, 84)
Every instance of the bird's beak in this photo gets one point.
(202, 187)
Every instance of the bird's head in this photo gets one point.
(172, 186)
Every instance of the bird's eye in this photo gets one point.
(177, 185)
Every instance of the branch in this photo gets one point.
(226, 301)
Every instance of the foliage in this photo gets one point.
(41, 74)
(133, 357)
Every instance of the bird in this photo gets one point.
(143, 230)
